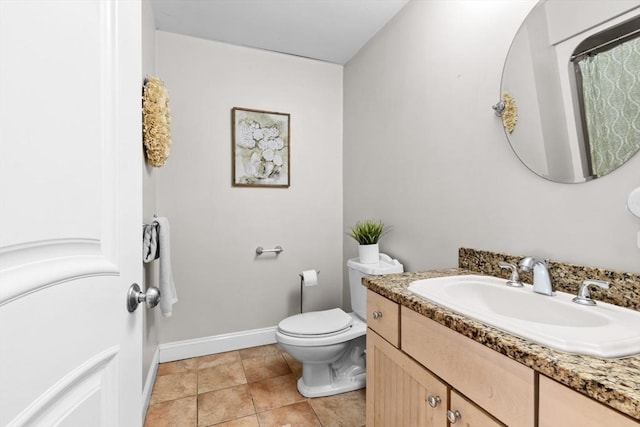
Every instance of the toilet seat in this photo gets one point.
(316, 323)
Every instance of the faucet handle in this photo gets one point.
(584, 295)
(514, 280)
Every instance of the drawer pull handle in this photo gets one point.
(377, 314)
(453, 416)
(433, 401)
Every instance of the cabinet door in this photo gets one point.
(398, 389)
(561, 406)
(468, 414)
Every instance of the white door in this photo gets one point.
(70, 212)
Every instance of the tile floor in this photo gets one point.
(253, 387)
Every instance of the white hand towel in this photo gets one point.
(149, 243)
(168, 295)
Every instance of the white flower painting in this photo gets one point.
(260, 148)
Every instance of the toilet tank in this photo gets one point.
(358, 270)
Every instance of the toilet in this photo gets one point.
(331, 344)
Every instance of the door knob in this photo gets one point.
(135, 296)
(377, 314)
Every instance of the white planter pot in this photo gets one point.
(369, 254)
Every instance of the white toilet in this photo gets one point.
(330, 344)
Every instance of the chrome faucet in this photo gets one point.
(541, 278)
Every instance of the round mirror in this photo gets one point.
(570, 92)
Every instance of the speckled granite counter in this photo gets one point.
(613, 382)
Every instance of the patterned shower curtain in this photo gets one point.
(611, 90)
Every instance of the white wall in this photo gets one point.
(215, 228)
(424, 152)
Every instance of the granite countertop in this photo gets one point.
(614, 382)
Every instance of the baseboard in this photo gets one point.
(216, 344)
(148, 385)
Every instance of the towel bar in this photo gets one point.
(260, 250)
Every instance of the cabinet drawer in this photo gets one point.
(383, 316)
(561, 406)
(501, 386)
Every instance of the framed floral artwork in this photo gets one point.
(261, 145)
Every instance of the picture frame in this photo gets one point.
(260, 148)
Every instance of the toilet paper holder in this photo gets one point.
(302, 287)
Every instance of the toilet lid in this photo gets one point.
(316, 322)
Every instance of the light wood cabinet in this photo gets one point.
(399, 389)
(401, 392)
(499, 385)
(383, 316)
(411, 357)
(560, 406)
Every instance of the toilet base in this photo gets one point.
(338, 386)
(346, 373)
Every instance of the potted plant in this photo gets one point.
(367, 233)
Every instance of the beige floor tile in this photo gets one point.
(250, 421)
(263, 350)
(260, 368)
(220, 376)
(296, 415)
(341, 410)
(173, 386)
(177, 367)
(224, 405)
(294, 365)
(275, 392)
(217, 359)
(174, 413)
(226, 400)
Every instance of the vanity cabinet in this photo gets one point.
(501, 386)
(400, 391)
(413, 362)
(561, 406)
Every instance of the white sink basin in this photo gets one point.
(604, 330)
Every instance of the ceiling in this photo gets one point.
(326, 30)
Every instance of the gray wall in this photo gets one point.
(424, 152)
(215, 228)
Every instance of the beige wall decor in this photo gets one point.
(156, 121)
(260, 151)
(510, 113)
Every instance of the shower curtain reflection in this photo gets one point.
(611, 94)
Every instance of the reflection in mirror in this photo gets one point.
(607, 76)
(550, 137)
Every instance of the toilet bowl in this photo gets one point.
(331, 344)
